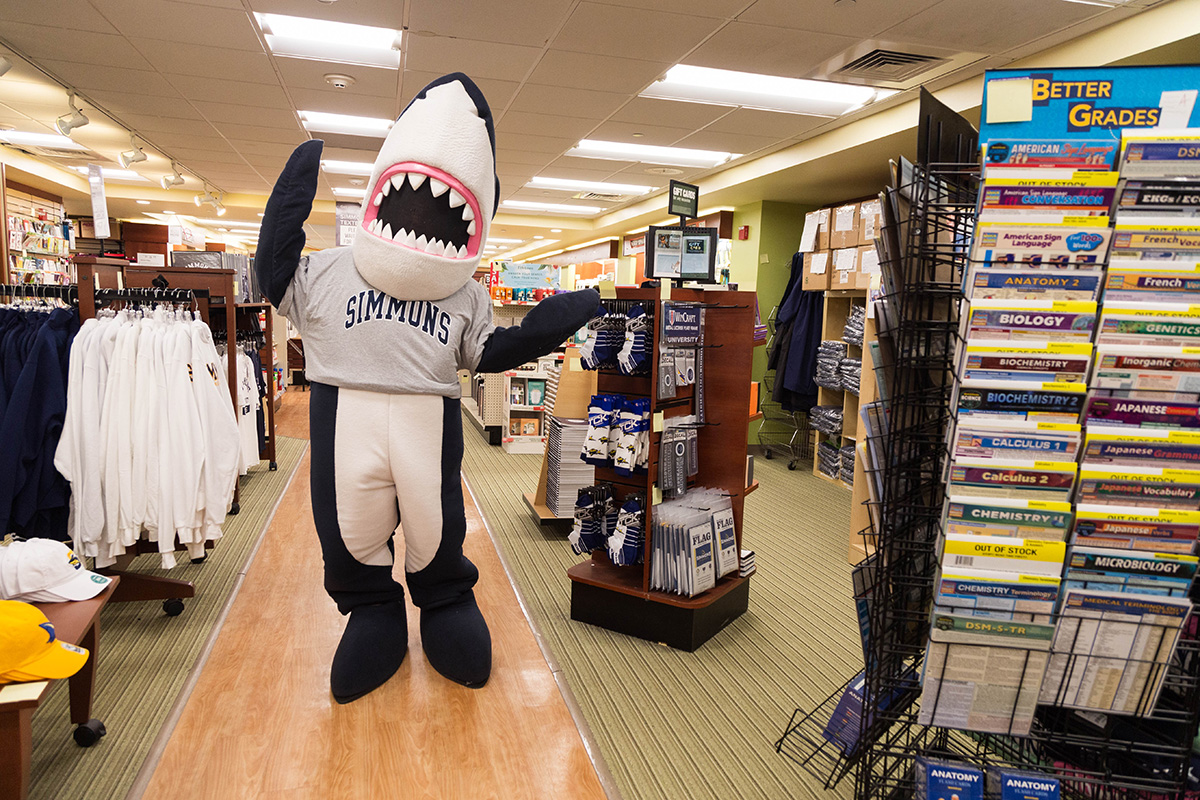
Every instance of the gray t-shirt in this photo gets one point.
(357, 337)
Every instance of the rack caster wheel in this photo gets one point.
(274, 466)
(89, 733)
(173, 607)
(768, 455)
(235, 508)
(792, 464)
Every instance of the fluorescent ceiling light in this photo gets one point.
(342, 191)
(725, 87)
(111, 174)
(143, 202)
(321, 40)
(650, 154)
(347, 167)
(558, 208)
(565, 185)
(322, 122)
(40, 140)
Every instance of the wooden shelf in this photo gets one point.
(628, 580)
(751, 487)
(834, 481)
(541, 513)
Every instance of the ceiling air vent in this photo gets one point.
(881, 65)
(605, 196)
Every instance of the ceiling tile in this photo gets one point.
(769, 50)
(989, 27)
(269, 164)
(864, 18)
(345, 102)
(593, 165)
(341, 140)
(504, 156)
(541, 124)
(38, 41)
(330, 152)
(178, 58)
(168, 140)
(668, 113)
(558, 170)
(727, 142)
(531, 143)
(196, 155)
(383, 13)
(632, 33)
(252, 150)
(151, 125)
(80, 17)
(122, 103)
(721, 9)
(528, 22)
(497, 93)
(766, 123)
(216, 90)
(477, 59)
(589, 71)
(571, 102)
(300, 73)
(612, 131)
(95, 76)
(278, 135)
(249, 115)
(183, 22)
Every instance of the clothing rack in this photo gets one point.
(125, 283)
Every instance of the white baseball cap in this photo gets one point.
(45, 571)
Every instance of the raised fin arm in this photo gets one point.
(281, 237)
(545, 327)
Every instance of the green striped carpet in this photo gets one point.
(681, 725)
(145, 656)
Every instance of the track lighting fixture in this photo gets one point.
(213, 200)
(5, 65)
(131, 156)
(174, 179)
(75, 119)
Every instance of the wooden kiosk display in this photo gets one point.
(620, 598)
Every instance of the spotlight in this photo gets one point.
(131, 156)
(5, 65)
(213, 200)
(69, 122)
(174, 179)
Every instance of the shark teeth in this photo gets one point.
(437, 187)
(415, 179)
(409, 238)
(456, 199)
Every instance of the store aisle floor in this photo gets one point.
(261, 723)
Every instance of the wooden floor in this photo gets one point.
(262, 724)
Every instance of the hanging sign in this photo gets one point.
(684, 200)
(632, 245)
(348, 217)
(525, 276)
(99, 204)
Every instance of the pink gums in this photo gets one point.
(429, 172)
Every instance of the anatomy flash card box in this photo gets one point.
(1011, 784)
(946, 780)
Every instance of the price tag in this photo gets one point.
(608, 290)
(656, 423)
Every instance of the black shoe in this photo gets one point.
(457, 642)
(371, 650)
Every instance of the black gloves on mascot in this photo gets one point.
(387, 323)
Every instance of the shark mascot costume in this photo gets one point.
(387, 323)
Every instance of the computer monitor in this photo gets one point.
(681, 253)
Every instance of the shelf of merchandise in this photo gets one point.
(37, 250)
(620, 598)
(521, 439)
(837, 309)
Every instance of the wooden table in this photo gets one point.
(77, 623)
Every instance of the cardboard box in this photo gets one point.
(844, 226)
(817, 267)
(819, 219)
(870, 218)
(868, 259)
(846, 274)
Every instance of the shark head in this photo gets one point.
(433, 192)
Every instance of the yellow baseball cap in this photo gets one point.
(30, 649)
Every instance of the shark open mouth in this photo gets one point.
(423, 208)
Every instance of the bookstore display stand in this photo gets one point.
(838, 303)
(1142, 753)
(620, 598)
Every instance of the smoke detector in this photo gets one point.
(339, 81)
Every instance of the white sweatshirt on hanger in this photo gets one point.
(219, 428)
(68, 459)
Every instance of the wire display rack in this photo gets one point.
(1095, 754)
